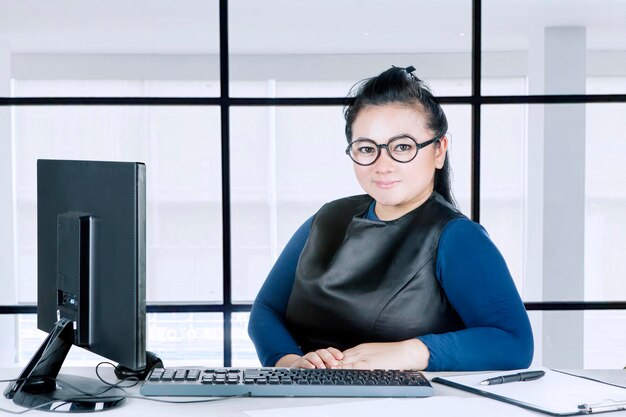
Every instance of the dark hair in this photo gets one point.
(400, 86)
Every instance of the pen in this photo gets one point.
(522, 376)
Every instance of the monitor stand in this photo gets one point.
(40, 386)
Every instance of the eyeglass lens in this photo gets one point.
(366, 151)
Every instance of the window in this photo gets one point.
(226, 114)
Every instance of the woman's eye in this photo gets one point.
(403, 147)
(366, 149)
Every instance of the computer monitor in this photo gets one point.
(91, 286)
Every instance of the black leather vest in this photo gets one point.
(361, 280)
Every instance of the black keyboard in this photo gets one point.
(285, 382)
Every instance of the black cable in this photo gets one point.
(44, 405)
(99, 395)
(91, 395)
(14, 380)
(56, 408)
(140, 397)
(118, 384)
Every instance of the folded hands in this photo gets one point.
(407, 354)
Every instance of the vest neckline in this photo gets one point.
(370, 213)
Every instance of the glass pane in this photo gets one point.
(179, 339)
(579, 339)
(553, 196)
(13, 342)
(322, 48)
(460, 153)
(181, 149)
(557, 47)
(286, 165)
(187, 339)
(504, 162)
(604, 346)
(244, 354)
(274, 188)
(140, 49)
(605, 202)
(29, 338)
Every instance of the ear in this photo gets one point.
(441, 148)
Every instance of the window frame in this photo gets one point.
(225, 102)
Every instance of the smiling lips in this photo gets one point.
(385, 185)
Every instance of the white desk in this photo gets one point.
(236, 407)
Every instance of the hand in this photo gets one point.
(405, 355)
(321, 358)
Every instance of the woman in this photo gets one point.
(397, 278)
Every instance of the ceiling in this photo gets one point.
(297, 27)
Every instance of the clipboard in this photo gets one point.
(558, 393)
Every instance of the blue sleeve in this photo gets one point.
(267, 327)
(476, 280)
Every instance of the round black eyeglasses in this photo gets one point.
(401, 149)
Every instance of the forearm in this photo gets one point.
(478, 348)
(270, 336)
(287, 360)
(267, 327)
(417, 355)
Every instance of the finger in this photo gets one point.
(336, 353)
(303, 363)
(327, 357)
(315, 360)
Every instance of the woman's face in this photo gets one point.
(397, 187)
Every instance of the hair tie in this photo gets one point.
(409, 70)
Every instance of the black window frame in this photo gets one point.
(476, 100)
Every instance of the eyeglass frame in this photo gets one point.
(380, 146)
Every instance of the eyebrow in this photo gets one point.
(401, 135)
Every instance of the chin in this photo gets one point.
(386, 199)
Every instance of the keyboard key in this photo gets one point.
(180, 375)
(156, 375)
(167, 376)
(193, 375)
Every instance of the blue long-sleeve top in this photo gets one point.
(474, 277)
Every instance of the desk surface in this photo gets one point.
(238, 406)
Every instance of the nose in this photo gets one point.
(384, 163)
